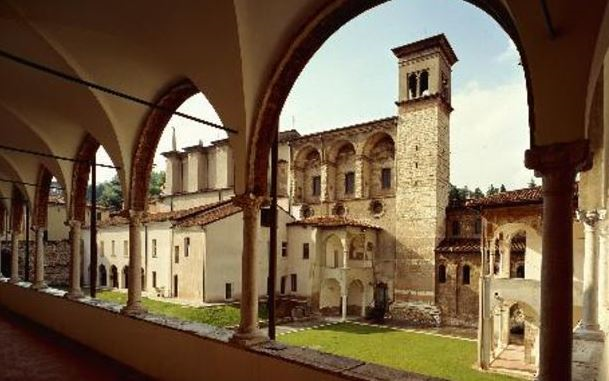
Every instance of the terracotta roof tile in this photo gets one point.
(208, 216)
(459, 245)
(334, 222)
(515, 197)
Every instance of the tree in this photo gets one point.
(502, 188)
(492, 190)
(157, 182)
(532, 183)
(478, 193)
(110, 193)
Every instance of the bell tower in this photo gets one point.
(422, 161)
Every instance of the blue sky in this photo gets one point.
(353, 78)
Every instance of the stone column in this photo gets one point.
(485, 324)
(325, 178)
(75, 235)
(590, 290)
(557, 164)
(491, 262)
(360, 176)
(39, 282)
(134, 292)
(506, 253)
(603, 274)
(248, 332)
(14, 257)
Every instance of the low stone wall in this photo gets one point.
(416, 314)
(56, 261)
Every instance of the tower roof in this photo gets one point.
(438, 41)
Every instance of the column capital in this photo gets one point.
(74, 223)
(248, 201)
(136, 216)
(590, 217)
(559, 157)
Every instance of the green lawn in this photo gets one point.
(452, 359)
(221, 316)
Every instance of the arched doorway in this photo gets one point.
(103, 279)
(333, 252)
(114, 276)
(125, 277)
(355, 298)
(329, 298)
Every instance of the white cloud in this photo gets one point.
(510, 53)
(489, 134)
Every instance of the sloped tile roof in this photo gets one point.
(208, 216)
(509, 198)
(459, 245)
(334, 222)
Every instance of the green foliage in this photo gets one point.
(532, 183)
(478, 193)
(492, 190)
(502, 188)
(157, 181)
(443, 357)
(110, 193)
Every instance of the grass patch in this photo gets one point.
(425, 354)
(220, 316)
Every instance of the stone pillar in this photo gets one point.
(325, 178)
(506, 253)
(75, 235)
(603, 274)
(14, 257)
(485, 326)
(491, 262)
(590, 290)
(360, 176)
(134, 292)
(557, 164)
(39, 282)
(248, 332)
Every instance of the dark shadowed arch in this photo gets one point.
(80, 177)
(41, 200)
(148, 140)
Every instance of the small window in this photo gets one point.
(176, 253)
(466, 274)
(456, 228)
(125, 248)
(412, 86)
(284, 249)
(154, 279)
(113, 253)
(442, 274)
(186, 246)
(316, 184)
(101, 248)
(386, 178)
(349, 182)
(520, 271)
(293, 282)
(265, 217)
(424, 83)
(228, 291)
(98, 216)
(305, 250)
(283, 282)
(478, 227)
(154, 248)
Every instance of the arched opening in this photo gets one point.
(103, 278)
(143, 279)
(125, 280)
(380, 166)
(357, 249)
(306, 176)
(114, 276)
(516, 325)
(465, 277)
(442, 273)
(329, 297)
(413, 86)
(355, 298)
(333, 252)
(424, 83)
(342, 154)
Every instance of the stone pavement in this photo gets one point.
(30, 352)
(511, 361)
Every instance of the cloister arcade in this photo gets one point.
(258, 52)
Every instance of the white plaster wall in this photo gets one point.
(56, 218)
(162, 263)
(189, 269)
(294, 263)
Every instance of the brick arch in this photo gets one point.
(304, 44)
(148, 140)
(41, 200)
(80, 177)
(17, 204)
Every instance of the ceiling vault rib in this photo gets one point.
(29, 152)
(107, 90)
(548, 19)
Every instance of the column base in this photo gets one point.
(14, 280)
(588, 333)
(74, 295)
(133, 310)
(249, 339)
(39, 286)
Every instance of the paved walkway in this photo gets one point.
(29, 352)
(511, 361)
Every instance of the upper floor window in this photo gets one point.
(424, 83)
(349, 182)
(386, 178)
(176, 253)
(293, 282)
(305, 250)
(125, 248)
(466, 274)
(441, 274)
(101, 248)
(478, 227)
(112, 248)
(265, 217)
(186, 246)
(456, 228)
(283, 284)
(154, 248)
(316, 184)
(284, 249)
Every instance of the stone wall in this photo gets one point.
(416, 314)
(56, 261)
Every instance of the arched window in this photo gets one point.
(424, 83)
(520, 271)
(442, 274)
(412, 86)
(466, 275)
(456, 228)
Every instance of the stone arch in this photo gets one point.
(357, 247)
(333, 252)
(148, 140)
(18, 202)
(356, 298)
(80, 177)
(508, 237)
(114, 276)
(343, 176)
(442, 273)
(103, 277)
(379, 149)
(41, 200)
(330, 297)
(125, 277)
(304, 44)
(306, 174)
(466, 274)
